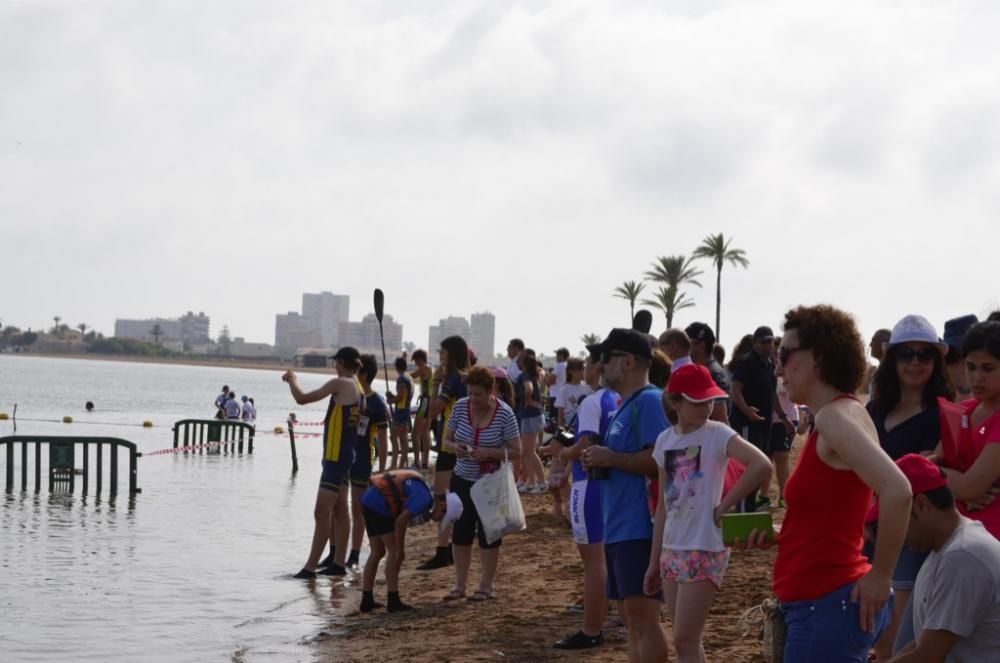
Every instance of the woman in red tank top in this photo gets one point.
(834, 603)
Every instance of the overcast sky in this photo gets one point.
(519, 157)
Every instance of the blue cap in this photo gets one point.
(954, 330)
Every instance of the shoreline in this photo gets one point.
(221, 362)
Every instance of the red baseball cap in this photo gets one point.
(922, 474)
(695, 383)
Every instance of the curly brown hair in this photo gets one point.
(835, 341)
(480, 376)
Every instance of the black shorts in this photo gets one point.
(780, 439)
(423, 406)
(758, 434)
(445, 462)
(377, 524)
(334, 475)
(361, 468)
(468, 526)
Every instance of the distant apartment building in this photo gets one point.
(325, 311)
(450, 326)
(195, 329)
(480, 334)
(293, 331)
(149, 329)
(364, 335)
(483, 333)
(189, 329)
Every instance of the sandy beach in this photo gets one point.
(539, 576)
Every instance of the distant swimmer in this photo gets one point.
(89, 406)
(232, 407)
(220, 402)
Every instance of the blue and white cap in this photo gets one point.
(916, 329)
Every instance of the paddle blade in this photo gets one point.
(379, 304)
(642, 321)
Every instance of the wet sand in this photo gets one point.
(539, 575)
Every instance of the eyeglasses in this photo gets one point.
(785, 353)
(608, 356)
(906, 355)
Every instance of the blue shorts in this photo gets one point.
(532, 424)
(585, 512)
(401, 417)
(627, 562)
(334, 474)
(361, 468)
(829, 628)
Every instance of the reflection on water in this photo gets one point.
(192, 569)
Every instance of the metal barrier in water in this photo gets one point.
(230, 436)
(61, 462)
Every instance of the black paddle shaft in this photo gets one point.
(379, 310)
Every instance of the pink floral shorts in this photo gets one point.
(687, 566)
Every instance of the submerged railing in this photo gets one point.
(62, 471)
(218, 435)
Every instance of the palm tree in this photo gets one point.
(83, 328)
(629, 290)
(589, 339)
(716, 248)
(668, 300)
(55, 327)
(674, 271)
(156, 332)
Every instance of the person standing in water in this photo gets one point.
(343, 415)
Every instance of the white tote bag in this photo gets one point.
(499, 505)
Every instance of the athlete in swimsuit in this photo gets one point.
(339, 429)
(422, 422)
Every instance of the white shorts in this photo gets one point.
(585, 512)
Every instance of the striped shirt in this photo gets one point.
(502, 427)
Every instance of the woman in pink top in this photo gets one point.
(834, 603)
(980, 434)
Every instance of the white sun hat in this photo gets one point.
(916, 329)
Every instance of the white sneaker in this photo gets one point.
(537, 489)
(522, 487)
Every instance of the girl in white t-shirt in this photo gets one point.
(568, 400)
(689, 559)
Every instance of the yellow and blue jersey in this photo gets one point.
(340, 428)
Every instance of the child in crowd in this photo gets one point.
(567, 402)
(689, 559)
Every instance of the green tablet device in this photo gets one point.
(739, 525)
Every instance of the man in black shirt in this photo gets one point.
(755, 399)
(702, 341)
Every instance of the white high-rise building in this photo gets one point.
(364, 336)
(450, 326)
(291, 332)
(324, 312)
(483, 334)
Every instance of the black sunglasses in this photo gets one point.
(785, 352)
(607, 356)
(905, 355)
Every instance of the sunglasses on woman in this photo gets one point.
(905, 355)
(785, 352)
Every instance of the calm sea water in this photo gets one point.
(195, 568)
